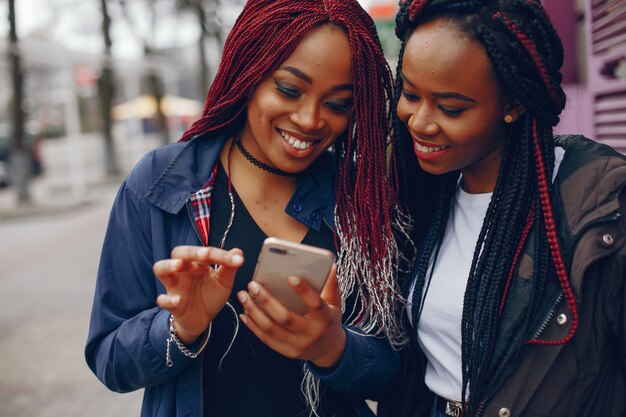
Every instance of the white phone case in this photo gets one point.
(280, 259)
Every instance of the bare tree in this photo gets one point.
(20, 156)
(106, 89)
(156, 89)
(155, 84)
(206, 15)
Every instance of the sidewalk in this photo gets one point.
(71, 177)
(49, 250)
(48, 198)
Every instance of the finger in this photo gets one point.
(207, 255)
(168, 302)
(275, 309)
(269, 313)
(330, 293)
(313, 300)
(252, 310)
(225, 273)
(310, 297)
(165, 270)
(272, 342)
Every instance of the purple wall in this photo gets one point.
(576, 118)
(563, 16)
(578, 114)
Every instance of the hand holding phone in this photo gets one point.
(280, 259)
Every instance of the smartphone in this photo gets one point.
(280, 259)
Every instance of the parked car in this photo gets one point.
(32, 140)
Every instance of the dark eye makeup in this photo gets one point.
(286, 89)
(290, 91)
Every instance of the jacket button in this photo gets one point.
(504, 412)
(607, 239)
(561, 319)
(297, 207)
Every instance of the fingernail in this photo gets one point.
(242, 297)
(243, 318)
(175, 264)
(203, 252)
(294, 281)
(175, 299)
(236, 259)
(254, 288)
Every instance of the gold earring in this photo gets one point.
(508, 118)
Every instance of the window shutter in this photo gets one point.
(606, 45)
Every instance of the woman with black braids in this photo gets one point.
(296, 78)
(517, 299)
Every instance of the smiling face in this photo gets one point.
(304, 106)
(451, 105)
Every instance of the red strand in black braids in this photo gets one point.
(557, 96)
(557, 257)
(493, 257)
(415, 7)
(543, 178)
(542, 150)
(526, 56)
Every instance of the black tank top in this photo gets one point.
(253, 380)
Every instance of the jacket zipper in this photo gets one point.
(543, 326)
(195, 229)
(606, 219)
(549, 316)
(193, 224)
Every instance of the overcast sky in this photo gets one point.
(76, 24)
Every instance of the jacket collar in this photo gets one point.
(191, 167)
(592, 178)
(187, 171)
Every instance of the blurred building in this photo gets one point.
(383, 12)
(61, 84)
(594, 38)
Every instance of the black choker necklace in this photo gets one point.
(260, 164)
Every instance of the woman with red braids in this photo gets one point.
(296, 78)
(518, 296)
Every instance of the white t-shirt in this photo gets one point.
(439, 327)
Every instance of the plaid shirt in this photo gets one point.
(200, 203)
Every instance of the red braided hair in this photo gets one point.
(264, 35)
(557, 258)
(534, 54)
(542, 178)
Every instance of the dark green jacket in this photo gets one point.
(584, 377)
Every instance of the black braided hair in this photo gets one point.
(526, 55)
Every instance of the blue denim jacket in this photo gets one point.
(127, 335)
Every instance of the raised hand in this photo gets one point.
(196, 291)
